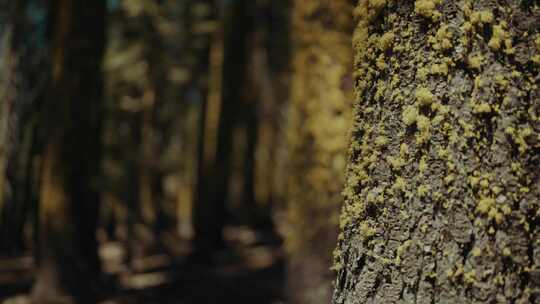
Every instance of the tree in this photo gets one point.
(228, 58)
(8, 27)
(68, 263)
(269, 75)
(24, 54)
(319, 119)
(442, 189)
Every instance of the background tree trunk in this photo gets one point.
(24, 60)
(210, 211)
(8, 64)
(68, 261)
(319, 120)
(270, 67)
(442, 191)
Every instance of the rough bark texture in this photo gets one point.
(68, 263)
(319, 120)
(442, 191)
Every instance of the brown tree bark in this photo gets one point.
(68, 263)
(319, 120)
(442, 192)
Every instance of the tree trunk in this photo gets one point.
(68, 264)
(221, 114)
(270, 74)
(200, 28)
(442, 190)
(22, 86)
(8, 64)
(319, 120)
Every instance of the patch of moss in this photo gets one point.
(442, 40)
(366, 231)
(475, 61)
(424, 124)
(482, 108)
(386, 41)
(410, 115)
(427, 8)
(424, 96)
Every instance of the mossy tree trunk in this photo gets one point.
(442, 191)
(68, 264)
(319, 121)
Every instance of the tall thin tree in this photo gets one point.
(229, 51)
(68, 263)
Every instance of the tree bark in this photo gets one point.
(68, 263)
(442, 190)
(319, 119)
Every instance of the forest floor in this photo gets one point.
(249, 270)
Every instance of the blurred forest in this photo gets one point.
(142, 151)
(269, 151)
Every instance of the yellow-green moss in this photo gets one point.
(481, 17)
(423, 190)
(500, 36)
(441, 68)
(410, 115)
(424, 96)
(424, 124)
(476, 61)
(422, 73)
(482, 108)
(442, 40)
(366, 231)
(386, 41)
(427, 8)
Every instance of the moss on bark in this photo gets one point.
(442, 191)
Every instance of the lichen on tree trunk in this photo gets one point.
(319, 119)
(442, 191)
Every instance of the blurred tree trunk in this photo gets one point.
(23, 61)
(68, 263)
(202, 91)
(319, 119)
(264, 97)
(229, 49)
(443, 187)
(8, 68)
(269, 76)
